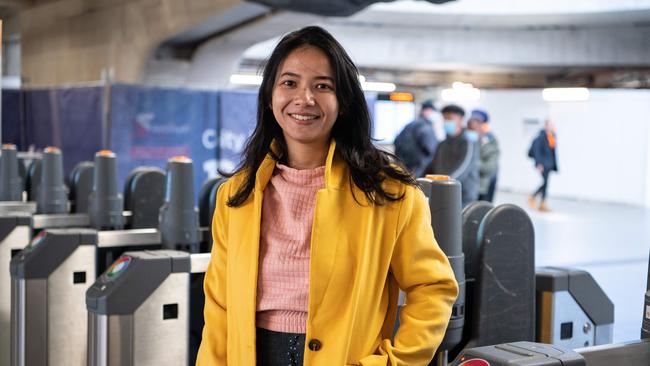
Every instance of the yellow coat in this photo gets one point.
(360, 254)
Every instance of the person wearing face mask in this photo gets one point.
(417, 142)
(489, 154)
(458, 155)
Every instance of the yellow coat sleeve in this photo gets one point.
(424, 274)
(214, 343)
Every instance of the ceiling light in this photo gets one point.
(462, 94)
(565, 94)
(246, 79)
(461, 85)
(378, 87)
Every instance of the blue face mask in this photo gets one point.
(472, 136)
(450, 127)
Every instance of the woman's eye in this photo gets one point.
(288, 83)
(324, 86)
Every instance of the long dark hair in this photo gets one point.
(369, 166)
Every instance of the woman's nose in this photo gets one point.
(305, 96)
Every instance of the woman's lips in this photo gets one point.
(304, 118)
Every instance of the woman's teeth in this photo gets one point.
(302, 117)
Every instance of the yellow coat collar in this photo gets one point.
(336, 172)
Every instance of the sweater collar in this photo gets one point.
(336, 172)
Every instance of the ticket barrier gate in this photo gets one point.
(52, 329)
(18, 188)
(139, 310)
(12, 183)
(444, 195)
(498, 267)
(498, 243)
(16, 230)
(121, 302)
(634, 353)
(49, 280)
(572, 310)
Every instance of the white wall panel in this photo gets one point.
(603, 143)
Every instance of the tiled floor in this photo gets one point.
(610, 241)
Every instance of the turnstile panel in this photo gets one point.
(138, 311)
(14, 236)
(166, 343)
(66, 261)
(66, 320)
(53, 272)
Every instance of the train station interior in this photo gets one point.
(525, 124)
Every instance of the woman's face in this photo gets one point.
(304, 97)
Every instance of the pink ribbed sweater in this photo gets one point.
(283, 274)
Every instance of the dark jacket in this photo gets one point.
(459, 159)
(415, 145)
(541, 152)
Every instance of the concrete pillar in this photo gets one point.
(72, 41)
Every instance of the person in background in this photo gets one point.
(416, 144)
(458, 155)
(489, 154)
(317, 230)
(543, 152)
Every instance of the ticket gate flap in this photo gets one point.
(472, 216)
(130, 280)
(504, 302)
(143, 196)
(48, 250)
(33, 180)
(44, 221)
(81, 185)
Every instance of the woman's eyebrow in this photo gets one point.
(295, 75)
(328, 78)
(291, 74)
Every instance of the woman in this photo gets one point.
(317, 229)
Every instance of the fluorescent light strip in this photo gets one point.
(565, 94)
(378, 87)
(461, 95)
(246, 79)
